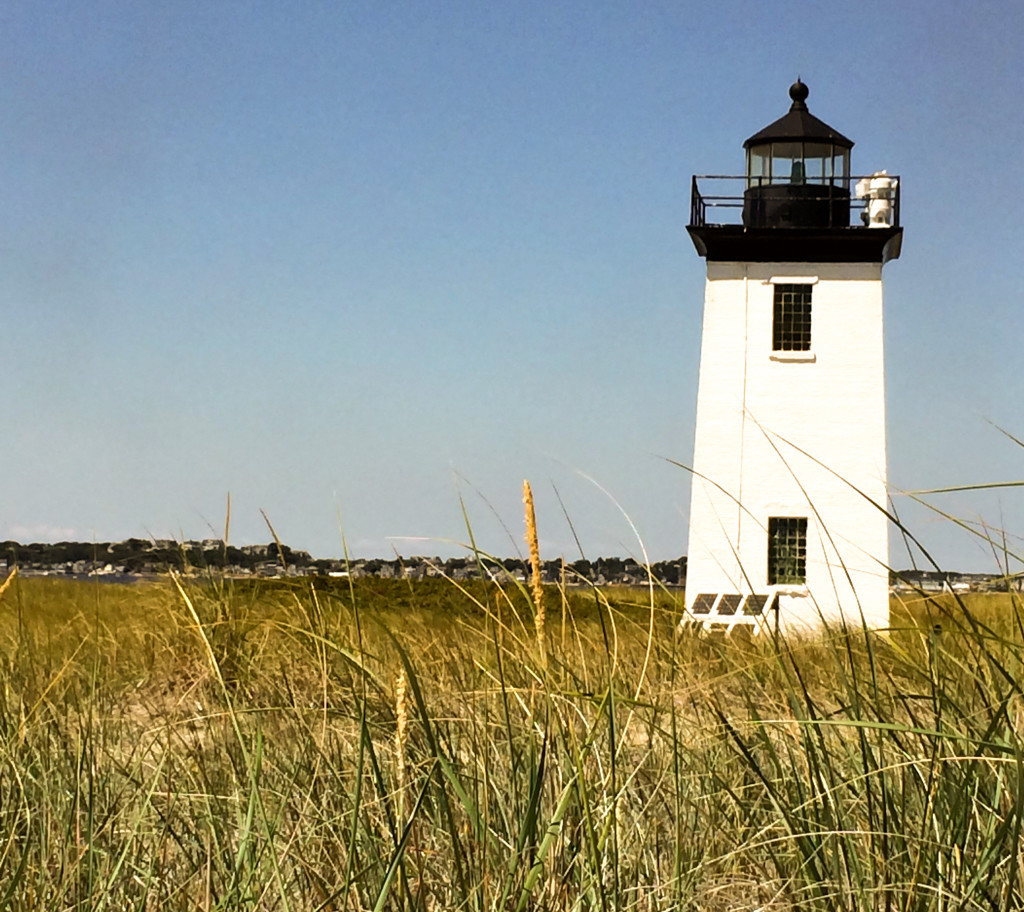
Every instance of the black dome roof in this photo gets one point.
(798, 124)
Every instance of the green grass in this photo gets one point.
(232, 745)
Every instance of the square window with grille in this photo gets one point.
(787, 550)
(791, 321)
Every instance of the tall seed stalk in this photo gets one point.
(401, 733)
(536, 583)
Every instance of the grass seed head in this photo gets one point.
(401, 733)
(536, 584)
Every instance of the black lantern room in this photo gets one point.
(794, 203)
(798, 171)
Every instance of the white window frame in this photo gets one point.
(796, 357)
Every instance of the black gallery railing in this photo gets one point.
(869, 201)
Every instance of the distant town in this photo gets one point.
(140, 559)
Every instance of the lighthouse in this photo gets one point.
(787, 524)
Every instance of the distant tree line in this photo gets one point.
(137, 556)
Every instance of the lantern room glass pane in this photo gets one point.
(787, 163)
(841, 160)
(758, 166)
(815, 169)
(817, 161)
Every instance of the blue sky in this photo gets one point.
(359, 259)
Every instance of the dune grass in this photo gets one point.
(218, 744)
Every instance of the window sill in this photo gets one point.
(794, 356)
(795, 591)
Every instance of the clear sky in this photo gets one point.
(358, 259)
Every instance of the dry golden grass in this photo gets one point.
(405, 746)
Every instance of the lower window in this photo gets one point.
(787, 550)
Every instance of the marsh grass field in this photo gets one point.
(204, 743)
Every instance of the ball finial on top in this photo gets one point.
(799, 92)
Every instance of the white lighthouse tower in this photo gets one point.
(787, 525)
